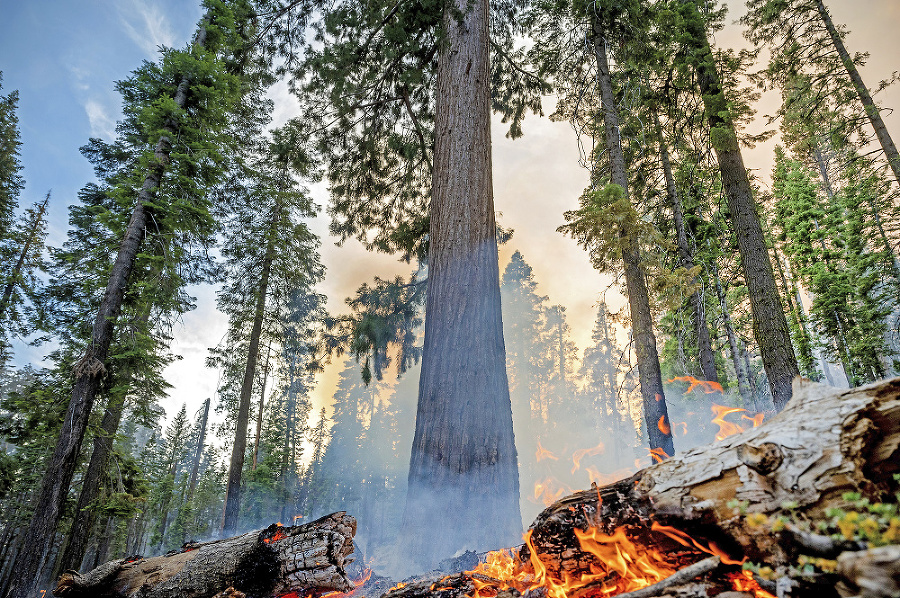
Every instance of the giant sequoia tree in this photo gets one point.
(463, 465)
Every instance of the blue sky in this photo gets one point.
(64, 56)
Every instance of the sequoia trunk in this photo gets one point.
(463, 476)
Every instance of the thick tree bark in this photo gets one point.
(871, 109)
(89, 371)
(705, 354)
(13, 279)
(770, 327)
(825, 443)
(463, 476)
(656, 415)
(233, 489)
(274, 561)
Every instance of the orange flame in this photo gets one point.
(744, 582)
(663, 425)
(549, 491)
(706, 386)
(727, 428)
(357, 583)
(543, 453)
(658, 455)
(279, 534)
(577, 456)
(685, 540)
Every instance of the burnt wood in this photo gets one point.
(274, 561)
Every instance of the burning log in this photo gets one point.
(825, 443)
(653, 533)
(276, 561)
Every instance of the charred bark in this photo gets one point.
(463, 476)
(274, 561)
(655, 412)
(825, 443)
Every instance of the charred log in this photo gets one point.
(277, 560)
(825, 443)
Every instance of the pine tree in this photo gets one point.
(11, 182)
(803, 37)
(770, 326)
(189, 92)
(271, 208)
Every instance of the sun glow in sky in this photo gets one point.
(64, 58)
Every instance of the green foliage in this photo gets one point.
(11, 182)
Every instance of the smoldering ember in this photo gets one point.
(644, 345)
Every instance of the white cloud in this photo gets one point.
(103, 123)
(146, 24)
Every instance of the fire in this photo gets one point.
(577, 456)
(685, 540)
(279, 535)
(620, 565)
(357, 583)
(727, 428)
(663, 425)
(549, 491)
(706, 386)
(744, 582)
(543, 453)
(658, 455)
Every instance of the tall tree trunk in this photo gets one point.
(16, 273)
(881, 132)
(85, 514)
(198, 454)
(262, 404)
(705, 353)
(770, 327)
(90, 369)
(233, 489)
(656, 415)
(743, 384)
(463, 475)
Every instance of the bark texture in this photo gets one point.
(656, 414)
(770, 327)
(463, 477)
(274, 561)
(825, 443)
(86, 517)
(871, 109)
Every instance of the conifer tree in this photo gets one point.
(803, 38)
(272, 209)
(770, 326)
(11, 182)
(189, 92)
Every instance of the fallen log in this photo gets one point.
(825, 443)
(275, 561)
